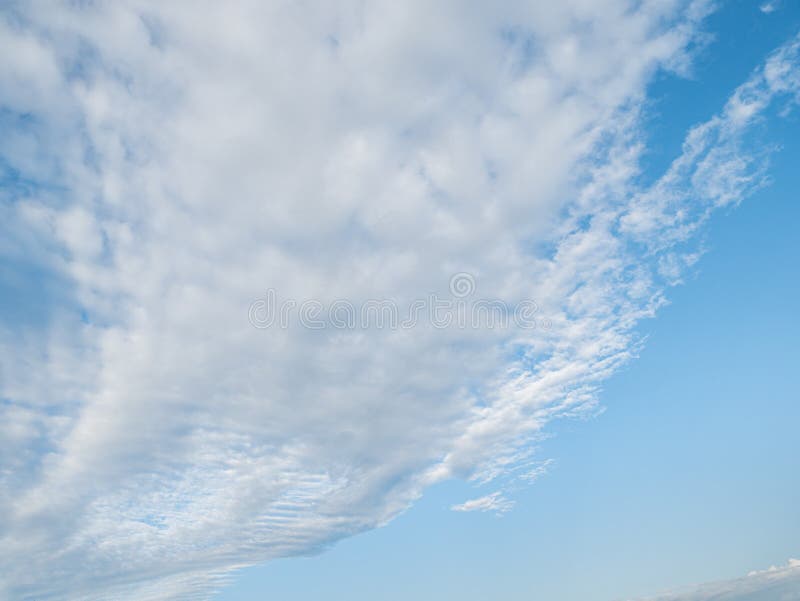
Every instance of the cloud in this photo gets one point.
(493, 502)
(774, 584)
(769, 7)
(166, 165)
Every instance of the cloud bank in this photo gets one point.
(164, 165)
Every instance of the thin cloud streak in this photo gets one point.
(774, 584)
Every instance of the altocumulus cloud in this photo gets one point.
(164, 164)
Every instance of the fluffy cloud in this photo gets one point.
(167, 164)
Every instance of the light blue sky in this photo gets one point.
(632, 167)
(690, 474)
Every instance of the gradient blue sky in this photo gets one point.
(163, 164)
(691, 473)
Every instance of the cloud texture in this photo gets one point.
(165, 164)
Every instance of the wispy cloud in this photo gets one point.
(773, 584)
(769, 7)
(495, 502)
(166, 165)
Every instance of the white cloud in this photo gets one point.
(495, 502)
(774, 584)
(174, 163)
(769, 7)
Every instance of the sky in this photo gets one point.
(223, 232)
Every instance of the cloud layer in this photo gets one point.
(166, 165)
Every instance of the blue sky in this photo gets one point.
(689, 475)
(631, 168)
